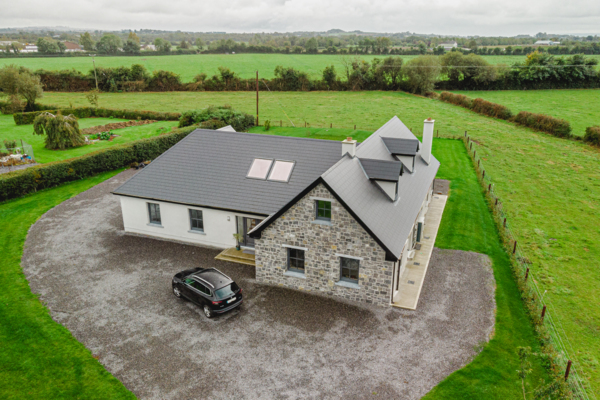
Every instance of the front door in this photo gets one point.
(245, 225)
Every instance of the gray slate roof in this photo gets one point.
(381, 169)
(389, 221)
(208, 168)
(401, 146)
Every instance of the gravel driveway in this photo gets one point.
(113, 292)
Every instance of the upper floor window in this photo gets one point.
(323, 210)
(154, 213)
(196, 221)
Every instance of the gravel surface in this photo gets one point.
(113, 292)
(6, 170)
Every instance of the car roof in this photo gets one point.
(215, 278)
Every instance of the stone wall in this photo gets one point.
(322, 266)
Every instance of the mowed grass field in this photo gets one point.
(549, 186)
(34, 345)
(188, 66)
(581, 107)
(10, 131)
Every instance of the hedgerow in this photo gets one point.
(478, 105)
(240, 121)
(22, 182)
(490, 109)
(545, 123)
(592, 135)
(89, 112)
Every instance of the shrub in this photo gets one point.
(61, 131)
(240, 121)
(212, 124)
(10, 144)
(592, 135)
(88, 112)
(19, 183)
(267, 125)
(490, 109)
(456, 99)
(554, 126)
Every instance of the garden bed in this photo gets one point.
(115, 125)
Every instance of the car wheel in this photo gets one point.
(208, 312)
(176, 292)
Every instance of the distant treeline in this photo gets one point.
(452, 71)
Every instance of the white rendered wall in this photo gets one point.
(175, 222)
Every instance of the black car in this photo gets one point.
(211, 289)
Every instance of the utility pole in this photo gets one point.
(256, 98)
(95, 76)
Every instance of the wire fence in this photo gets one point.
(543, 312)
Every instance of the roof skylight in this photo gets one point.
(281, 171)
(260, 168)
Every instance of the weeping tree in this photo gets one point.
(61, 131)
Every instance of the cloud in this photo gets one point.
(450, 17)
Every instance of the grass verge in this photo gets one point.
(40, 359)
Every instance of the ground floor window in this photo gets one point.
(295, 260)
(154, 213)
(349, 269)
(196, 222)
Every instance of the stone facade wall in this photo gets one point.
(322, 266)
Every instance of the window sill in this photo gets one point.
(349, 285)
(321, 222)
(155, 225)
(197, 232)
(295, 274)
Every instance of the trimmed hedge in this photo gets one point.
(490, 109)
(457, 99)
(89, 112)
(478, 105)
(545, 123)
(592, 135)
(22, 182)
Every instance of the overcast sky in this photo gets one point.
(449, 17)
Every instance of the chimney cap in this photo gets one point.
(429, 119)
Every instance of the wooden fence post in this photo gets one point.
(331, 125)
(490, 188)
(543, 313)
(354, 127)
(505, 222)
(568, 370)
(465, 133)
(483, 174)
(515, 247)
(526, 274)
(496, 202)
(478, 161)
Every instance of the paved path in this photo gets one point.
(113, 292)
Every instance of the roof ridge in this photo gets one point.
(199, 130)
(380, 160)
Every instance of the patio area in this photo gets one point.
(413, 276)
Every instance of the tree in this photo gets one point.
(19, 83)
(162, 45)
(61, 47)
(472, 44)
(47, 46)
(61, 132)
(87, 42)
(131, 47)
(133, 36)
(109, 44)
(199, 43)
(312, 46)
(422, 73)
(184, 44)
(392, 71)
(330, 76)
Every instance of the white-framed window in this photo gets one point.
(154, 213)
(196, 220)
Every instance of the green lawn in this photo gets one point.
(189, 66)
(581, 107)
(9, 130)
(550, 187)
(40, 359)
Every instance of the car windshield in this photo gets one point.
(226, 291)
